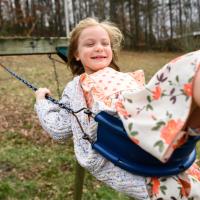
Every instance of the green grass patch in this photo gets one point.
(29, 170)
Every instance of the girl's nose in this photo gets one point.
(98, 47)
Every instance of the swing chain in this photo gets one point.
(55, 75)
(19, 78)
(61, 105)
(51, 58)
(86, 110)
(69, 110)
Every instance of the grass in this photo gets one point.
(32, 166)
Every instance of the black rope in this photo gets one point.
(61, 105)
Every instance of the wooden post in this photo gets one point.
(79, 180)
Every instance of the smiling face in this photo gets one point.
(94, 49)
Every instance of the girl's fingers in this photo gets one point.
(41, 93)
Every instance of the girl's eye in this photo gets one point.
(89, 44)
(105, 43)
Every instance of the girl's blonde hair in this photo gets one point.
(114, 33)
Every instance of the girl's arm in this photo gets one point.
(54, 120)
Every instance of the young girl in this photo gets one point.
(100, 86)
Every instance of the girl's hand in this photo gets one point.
(41, 93)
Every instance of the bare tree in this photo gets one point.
(101, 14)
(1, 16)
(74, 12)
(136, 6)
(157, 22)
(113, 9)
(19, 18)
(180, 17)
(171, 19)
(58, 17)
(198, 8)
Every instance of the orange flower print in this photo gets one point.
(107, 101)
(138, 77)
(194, 171)
(88, 98)
(155, 186)
(96, 92)
(169, 132)
(136, 141)
(121, 109)
(187, 88)
(156, 93)
(185, 187)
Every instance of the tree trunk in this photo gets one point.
(33, 13)
(180, 17)
(80, 13)
(171, 19)
(149, 23)
(157, 22)
(191, 15)
(131, 25)
(57, 14)
(1, 17)
(74, 12)
(101, 14)
(113, 13)
(198, 8)
(18, 16)
(136, 4)
(27, 15)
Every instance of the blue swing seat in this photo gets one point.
(114, 144)
(62, 52)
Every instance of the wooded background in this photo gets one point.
(146, 24)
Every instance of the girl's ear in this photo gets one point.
(76, 55)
